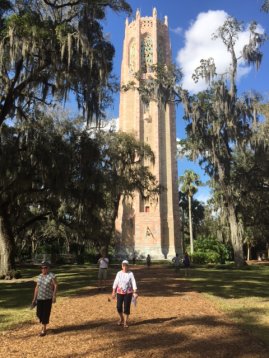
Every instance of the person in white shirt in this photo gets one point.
(102, 273)
(125, 287)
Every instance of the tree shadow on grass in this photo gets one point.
(153, 321)
(170, 341)
(107, 325)
(81, 327)
(222, 283)
(87, 326)
(71, 279)
(175, 338)
(16, 294)
(251, 319)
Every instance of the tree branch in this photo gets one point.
(32, 221)
(70, 3)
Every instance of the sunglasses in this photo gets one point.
(44, 267)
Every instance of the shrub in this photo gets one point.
(80, 260)
(209, 250)
(91, 257)
(12, 274)
(198, 257)
(17, 274)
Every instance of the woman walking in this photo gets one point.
(44, 296)
(125, 287)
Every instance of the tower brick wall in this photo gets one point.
(149, 227)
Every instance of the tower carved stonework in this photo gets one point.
(149, 226)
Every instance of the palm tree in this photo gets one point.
(190, 181)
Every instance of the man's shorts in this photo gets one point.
(102, 274)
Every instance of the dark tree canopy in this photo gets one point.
(50, 49)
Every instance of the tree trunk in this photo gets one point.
(7, 245)
(248, 254)
(236, 236)
(235, 231)
(190, 225)
(183, 233)
(115, 210)
(33, 246)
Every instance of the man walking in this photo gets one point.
(102, 273)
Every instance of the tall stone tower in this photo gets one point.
(149, 227)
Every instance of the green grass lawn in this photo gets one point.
(243, 295)
(16, 296)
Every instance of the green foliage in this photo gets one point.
(209, 256)
(62, 184)
(163, 86)
(12, 274)
(189, 182)
(80, 259)
(265, 6)
(198, 212)
(250, 178)
(125, 172)
(210, 250)
(48, 50)
(219, 122)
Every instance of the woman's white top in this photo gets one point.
(124, 282)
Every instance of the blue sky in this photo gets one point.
(191, 24)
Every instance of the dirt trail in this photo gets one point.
(169, 321)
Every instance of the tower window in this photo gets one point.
(161, 51)
(146, 54)
(145, 106)
(147, 209)
(132, 57)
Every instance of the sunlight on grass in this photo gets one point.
(241, 295)
(16, 296)
(12, 317)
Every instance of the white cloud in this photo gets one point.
(178, 30)
(106, 125)
(181, 150)
(203, 194)
(110, 124)
(200, 45)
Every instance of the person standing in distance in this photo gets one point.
(102, 273)
(176, 262)
(186, 263)
(125, 287)
(44, 295)
(148, 261)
